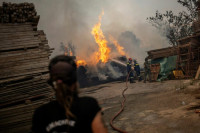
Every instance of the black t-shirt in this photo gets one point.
(51, 118)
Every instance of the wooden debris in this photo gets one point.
(155, 69)
(161, 53)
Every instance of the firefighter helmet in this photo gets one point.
(130, 59)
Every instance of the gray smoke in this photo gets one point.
(114, 72)
(72, 20)
(132, 45)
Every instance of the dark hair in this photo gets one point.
(63, 78)
(71, 77)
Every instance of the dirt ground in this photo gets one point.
(158, 107)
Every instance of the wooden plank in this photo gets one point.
(23, 57)
(12, 110)
(198, 73)
(25, 64)
(15, 80)
(24, 68)
(22, 73)
(23, 52)
(23, 98)
(18, 110)
(18, 34)
(25, 46)
(15, 24)
(19, 39)
(26, 94)
(17, 42)
(13, 37)
(22, 26)
(32, 91)
(16, 30)
(24, 90)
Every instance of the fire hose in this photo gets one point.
(122, 108)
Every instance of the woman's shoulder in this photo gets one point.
(86, 107)
(88, 103)
(87, 98)
(48, 106)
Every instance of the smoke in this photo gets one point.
(114, 72)
(131, 43)
(72, 20)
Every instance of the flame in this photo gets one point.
(81, 63)
(120, 49)
(104, 51)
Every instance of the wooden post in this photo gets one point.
(198, 73)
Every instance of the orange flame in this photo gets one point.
(120, 49)
(104, 51)
(81, 63)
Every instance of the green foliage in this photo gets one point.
(174, 26)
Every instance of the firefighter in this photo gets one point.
(129, 70)
(137, 70)
(147, 71)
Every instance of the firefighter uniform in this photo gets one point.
(130, 71)
(137, 70)
(147, 71)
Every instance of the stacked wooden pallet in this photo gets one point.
(20, 13)
(24, 58)
(188, 51)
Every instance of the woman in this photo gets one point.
(68, 113)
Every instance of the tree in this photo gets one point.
(173, 26)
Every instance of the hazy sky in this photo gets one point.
(125, 20)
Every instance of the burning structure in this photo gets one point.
(104, 65)
(24, 57)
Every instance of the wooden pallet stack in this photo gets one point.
(188, 55)
(189, 50)
(24, 58)
(18, 13)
